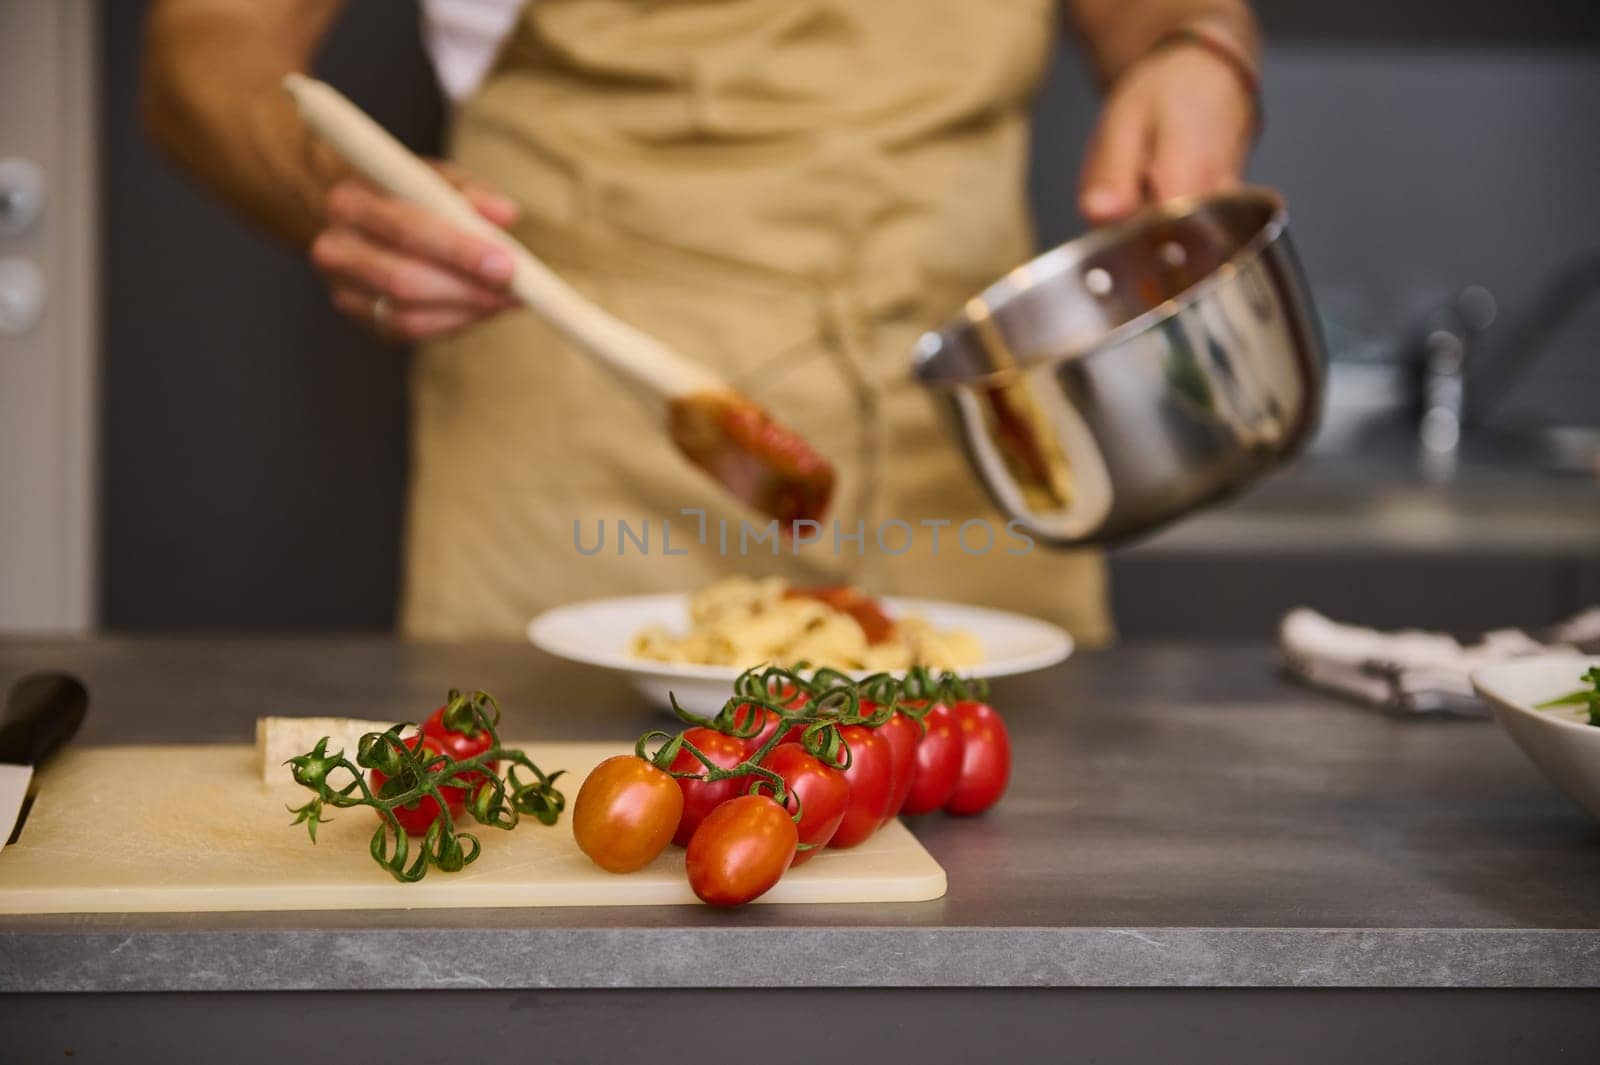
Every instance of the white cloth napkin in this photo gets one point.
(1411, 671)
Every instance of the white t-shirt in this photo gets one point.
(463, 36)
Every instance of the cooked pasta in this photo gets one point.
(743, 621)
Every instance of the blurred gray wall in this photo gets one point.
(253, 447)
(1412, 171)
(254, 444)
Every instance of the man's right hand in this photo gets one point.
(404, 272)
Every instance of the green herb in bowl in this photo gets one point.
(1584, 698)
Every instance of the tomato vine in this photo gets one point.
(415, 772)
(816, 702)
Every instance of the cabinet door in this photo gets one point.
(47, 315)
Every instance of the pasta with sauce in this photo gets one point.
(744, 622)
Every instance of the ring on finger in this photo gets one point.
(381, 312)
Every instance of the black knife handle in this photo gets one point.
(42, 712)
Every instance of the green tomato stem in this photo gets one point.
(442, 846)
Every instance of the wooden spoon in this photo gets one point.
(763, 463)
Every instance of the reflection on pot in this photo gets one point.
(1133, 375)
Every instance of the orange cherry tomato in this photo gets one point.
(741, 850)
(626, 813)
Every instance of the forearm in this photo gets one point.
(1119, 32)
(211, 97)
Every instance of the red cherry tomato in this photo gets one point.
(824, 793)
(770, 720)
(901, 734)
(792, 698)
(740, 850)
(417, 817)
(458, 745)
(870, 782)
(985, 759)
(626, 813)
(700, 797)
(938, 762)
(796, 734)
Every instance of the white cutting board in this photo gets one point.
(193, 828)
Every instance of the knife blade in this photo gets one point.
(42, 712)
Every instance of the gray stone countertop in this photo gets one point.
(1180, 815)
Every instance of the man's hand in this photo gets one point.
(1180, 110)
(1178, 121)
(406, 273)
(212, 96)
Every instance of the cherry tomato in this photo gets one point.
(796, 701)
(870, 781)
(901, 734)
(938, 762)
(740, 850)
(770, 720)
(795, 734)
(700, 797)
(417, 817)
(985, 758)
(626, 813)
(824, 794)
(458, 745)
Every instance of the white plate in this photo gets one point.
(1566, 749)
(599, 632)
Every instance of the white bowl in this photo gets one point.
(600, 631)
(1565, 749)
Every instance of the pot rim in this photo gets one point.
(1020, 278)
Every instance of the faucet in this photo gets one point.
(1451, 333)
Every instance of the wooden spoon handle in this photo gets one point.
(653, 369)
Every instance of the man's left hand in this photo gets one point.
(1177, 122)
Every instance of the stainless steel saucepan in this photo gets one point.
(1143, 370)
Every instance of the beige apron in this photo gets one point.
(790, 191)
